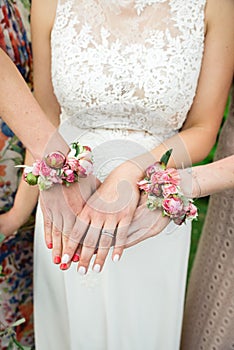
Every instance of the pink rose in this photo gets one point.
(85, 167)
(71, 177)
(44, 169)
(36, 167)
(68, 172)
(173, 206)
(169, 189)
(73, 164)
(87, 148)
(174, 177)
(144, 185)
(156, 189)
(191, 211)
(161, 177)
(153, 168)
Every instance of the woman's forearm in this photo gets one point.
(23, 114)
(26, 197)
(185, 150)
(204, 180)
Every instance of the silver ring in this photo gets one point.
(107, 233)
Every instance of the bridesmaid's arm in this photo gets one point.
(22, 113)
(201, 181)
(208, 179)
(24, 203)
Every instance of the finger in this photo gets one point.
(105, 242)
(90, 243)
(75, 237)
(76, 256)
(57, 245)
(47, 217)
(69, 220)
(151, 225)
(65, 261)
(120, 239)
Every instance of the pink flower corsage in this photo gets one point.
(56, 168)
(161, 185)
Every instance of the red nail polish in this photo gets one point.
(50, 245)
(76, 258)
(63, 267)
(57, 259)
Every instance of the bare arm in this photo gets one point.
(200, 130)
(23, 114)
(24, 203)
(207, 179)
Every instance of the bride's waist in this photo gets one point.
(95, 136)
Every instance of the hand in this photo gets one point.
(60, 206)
(145, 223)
(109, 209)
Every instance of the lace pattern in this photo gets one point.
(135, 70)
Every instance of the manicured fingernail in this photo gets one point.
(82, 270)
(63, 267)
(97, 268)
(57, 259)
(116, 258)
(76, 258)
(65, 259)
(50, 245)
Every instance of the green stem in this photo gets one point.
(17, 343)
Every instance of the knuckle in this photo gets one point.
(105, 242)
(121, 236)
(47, 222)
(90, 241)
(56, 233)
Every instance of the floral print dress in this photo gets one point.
(16, 254)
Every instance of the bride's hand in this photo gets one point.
(60, 206)
(145, 223)
(107, 213)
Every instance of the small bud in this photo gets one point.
(55, 160)
(31, 179)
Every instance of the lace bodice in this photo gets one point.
(133, 67)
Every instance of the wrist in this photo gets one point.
(162, 186)
(58, 168)
(189, 183)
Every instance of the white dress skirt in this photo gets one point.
(125, 80)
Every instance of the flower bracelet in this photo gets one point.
(56, 168)
(161, 185)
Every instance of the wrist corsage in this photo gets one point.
(56, 168)
(161, 185)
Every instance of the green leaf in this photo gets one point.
(17, 161)
(165, 158)
(15, 148)
(2, 237)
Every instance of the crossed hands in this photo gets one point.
(89, 217)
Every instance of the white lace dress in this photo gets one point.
(125, 79)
